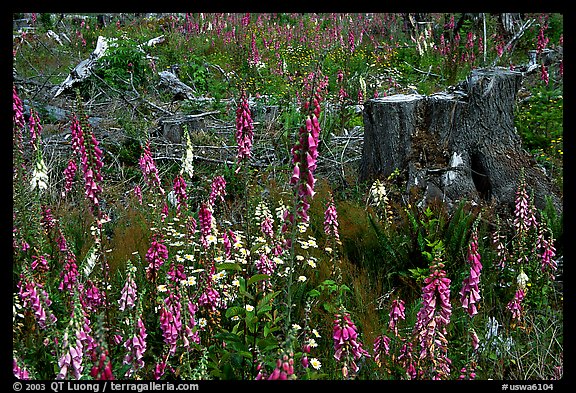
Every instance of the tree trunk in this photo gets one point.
(456, 144)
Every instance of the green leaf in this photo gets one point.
(256, 278)
(263, 309)
(229, 266)
(314, 293)
(235, 310)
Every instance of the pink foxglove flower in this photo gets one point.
(331, 220)
(170, 321)
(347, 348)
(397, 312)
(156, 255)
(515, 305)
(180, 191)
(128, 294)
(217, 191)
(284, 368)
(149, 170)
(102, 370)
(135, 347)
(39, 263)
(381, 347)
(17, 110)
(69, 273)
(304, 157)
(244, 129)
(206, 219)
(548, 252)
(35, 128)
(470, 292)
(69, 174)
(19, 372)
(432, 319)
(32, 294)
(406, 360)
(138, 193)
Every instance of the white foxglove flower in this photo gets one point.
(188, 161)
(40, 176)
(522, 280)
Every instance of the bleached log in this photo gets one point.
(179, 89)
(84, 69)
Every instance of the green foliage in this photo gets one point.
(124, 65)
(278, 291)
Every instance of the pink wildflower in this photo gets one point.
(19, 372)
(432, 319)
(138, 193)
(331, 220)
(103, 369)
(32, 294)
(515, 305)
(205, 217)
(170, 321)
(180, 191)
(69, 273)
(39, 263)
(304, 157)
(284, 368)
(149, 170)
(156, 255)
(470, 292)
(217, 190)
(128, 293)
(396, 312)
(69, 174)
(244, 129)
(381, 347)
(135, 347)
(346, 345)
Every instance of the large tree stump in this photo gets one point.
(456, 144)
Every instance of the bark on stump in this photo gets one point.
(456, 144)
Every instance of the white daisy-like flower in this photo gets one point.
(296, 327)
(299, 258)
(211, 239)
(315, 332)
(162, 288)
(236, 282)
(278, 261)
(315, 363)
(202, 322)
(312, 343)
(249, 308)
(311, 263)
(189, 257)
(302, 278)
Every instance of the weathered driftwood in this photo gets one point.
(84, 69)
(454, 145)
(179, 89)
